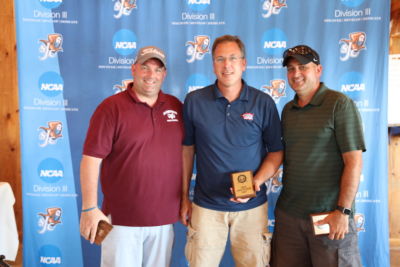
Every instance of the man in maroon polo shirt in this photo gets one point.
(134, 141)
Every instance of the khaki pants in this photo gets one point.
(208, 233)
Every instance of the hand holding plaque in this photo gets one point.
(322, 229)
(103, 228)
(242, 184)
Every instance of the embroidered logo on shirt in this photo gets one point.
(248, 116)
(171, 115)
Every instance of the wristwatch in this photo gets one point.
(343, 210)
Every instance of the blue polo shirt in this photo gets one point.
(229, 137)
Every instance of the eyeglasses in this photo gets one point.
(300, 50)
(231, 59)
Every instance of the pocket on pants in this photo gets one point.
(189, 248)
(267, 237)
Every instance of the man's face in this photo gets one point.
(229, 64)
(148, 78)
(303, 78)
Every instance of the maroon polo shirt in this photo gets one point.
(141, 171)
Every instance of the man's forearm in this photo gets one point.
(187, 168)
(350, 179)
(269, 166)
(89, 176)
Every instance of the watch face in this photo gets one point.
(343, 210)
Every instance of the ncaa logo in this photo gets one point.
(50, 170)
(352, 3)
(198, 5)
(276, 89)
(50, 3)
(352, 84)
(196, 81)
(50, 255)
(274, 42)
(272, 7)
(351, 47)
(51, 84)
(124, 42)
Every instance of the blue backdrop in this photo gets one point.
(73, 54)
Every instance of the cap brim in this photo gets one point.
(147, 57)
(303, 60)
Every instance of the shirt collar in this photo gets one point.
(160, 99)
(244, 94)
(316, 100)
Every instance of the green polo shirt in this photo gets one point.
(315, 137)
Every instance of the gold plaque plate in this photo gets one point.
(320, 229)
(242, 184)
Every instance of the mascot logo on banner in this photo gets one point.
(198, 48)
(49, 221)
(196, 81)
(272, 7)
(50, 47)
(50, 134)
(276, 89)
(124, 7)
(351, 47)
(274, 185)
(359, 219)
(118, 88)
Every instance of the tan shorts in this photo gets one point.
(208, 233)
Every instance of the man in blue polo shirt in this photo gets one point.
(230, 127)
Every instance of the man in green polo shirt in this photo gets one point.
(323, 137)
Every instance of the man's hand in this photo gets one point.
(186, 211)
(256, 183)
(89, 222)
(338, 224)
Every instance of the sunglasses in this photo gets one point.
(300, 50)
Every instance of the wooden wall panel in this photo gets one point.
(10, 163)
(394, 190)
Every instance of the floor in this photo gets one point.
(394, 258)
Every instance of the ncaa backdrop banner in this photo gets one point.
(73, 54)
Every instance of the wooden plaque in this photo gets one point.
(320, 229)
(242, 184)
(103, 228)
